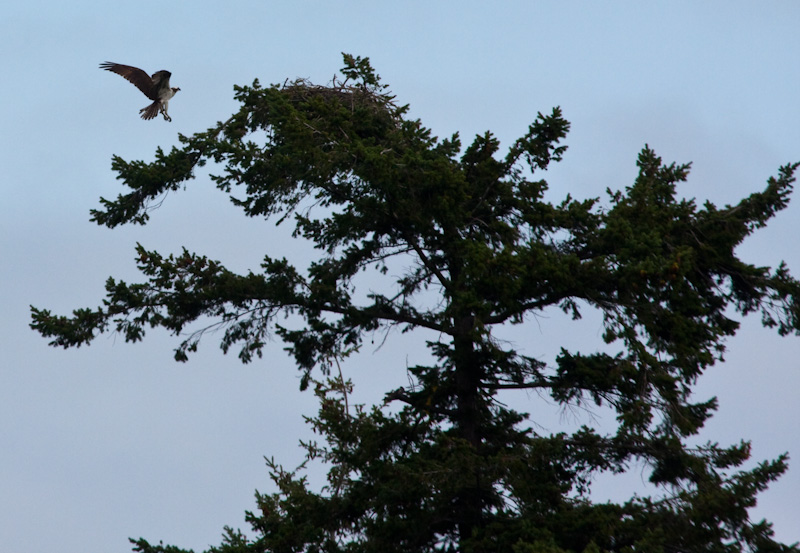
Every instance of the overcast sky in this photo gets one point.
(118, 440)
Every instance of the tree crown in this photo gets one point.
(480, 246)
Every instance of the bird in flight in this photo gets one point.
(155, 87)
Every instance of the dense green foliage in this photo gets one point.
(443, 465)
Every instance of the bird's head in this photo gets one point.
(175, 89)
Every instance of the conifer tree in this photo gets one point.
(443, 465)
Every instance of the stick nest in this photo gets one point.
(352, 97)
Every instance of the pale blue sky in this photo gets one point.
(115, 440)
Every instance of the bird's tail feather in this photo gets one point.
(150, 111)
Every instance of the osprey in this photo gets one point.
(155, 87)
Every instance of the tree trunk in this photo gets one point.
(469, 504)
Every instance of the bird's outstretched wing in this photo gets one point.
(161, 80)
(135, 75)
